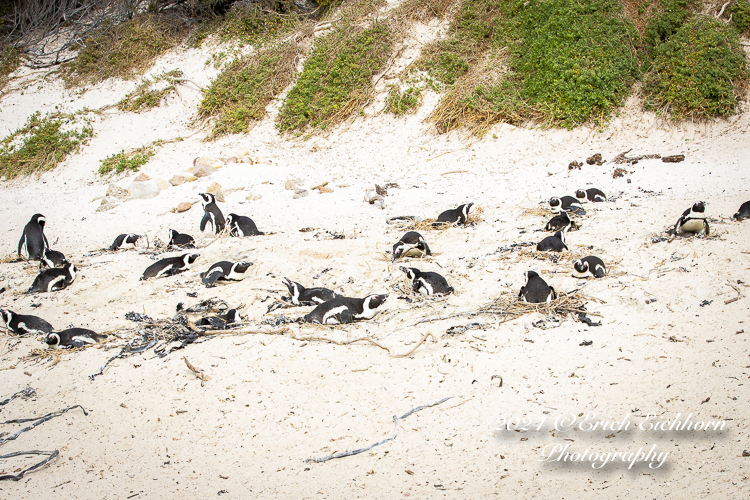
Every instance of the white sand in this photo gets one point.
(272, 401)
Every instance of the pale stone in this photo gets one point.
(141, 177)
(184, 206)
(292, 184)
(191, 178)
(253, 196)
(203, 170)
(162, 184)
(323, 189)
(230, 160)
(300, 193)
(216, 190)
(178, 180)
(144, 190)
(107, 204)
(319, 185)
(117, 192)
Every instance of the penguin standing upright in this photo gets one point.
(554, 243)
(693, 221)
(427, 283)
(455, 216)
(73, 337)
(180, 240)
(124, 239)
(211, 214)
(536, 290)
(225, 271)
(589, 267)
(23, 324)
(33, 241)
(345, 310)
(169, 266)
(411, 244)
(52, 258)
(302, 296)
(54, 279)
(241, 226)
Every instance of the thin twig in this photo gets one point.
(19, 476)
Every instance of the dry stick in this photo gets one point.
(735, 299)
(448, 152)
(25, 393)
(37, 422)
(17, 477)
(395, 431)
(198, 372)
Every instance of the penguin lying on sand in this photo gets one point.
(536, 290)
(566, 204)
(225, 271)
(52, 258)
(561, 222)
(427, 283)
(220, 321)
(211, 214)
(456, 216)
(693, 221)
(180, 240)
(554, 243)
(73, 337)
(241, 226)
(345, 310)
(54, 279)
(33, 241)
(589, 267)
(411, 244)
(169, 266)
(591, 194)
(302, 296)
(22, 324)
(743, 212)
(124, 239)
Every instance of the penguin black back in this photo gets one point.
(124, 239)
(536, 290)
(241, 226)
(33, 241)
(52, 258)
(456, 216)
(743, 212)
(411, 244)
(169, 266)
(180, 240)
(554, 243)
(592, 194)
(23, 324)
(54, 279)
(225, 271)
(343, 310)
(427, 283)
(73, 337)
(302, 296)
(212, 214)
(590, 266)
(560, 222)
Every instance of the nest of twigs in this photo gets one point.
(530, 253)
(566, 304)
(537, 211)
(411, 223)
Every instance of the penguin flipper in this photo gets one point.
(206, 219)
(345, 317)
(426, 248)
(210, 280)
(707, 228)
(22, 247)
(46, 243)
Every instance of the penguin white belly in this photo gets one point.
(163, 271)
(329, 318)
(236, 276)
(426, 288)
(693, 226)
(84, 340)
(367, 314)
(60, 280)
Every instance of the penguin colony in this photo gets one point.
(330, 307)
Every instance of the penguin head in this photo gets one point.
(232, 316)
(529, 275)
(581, 266)
(409, 271)
(241, 267)
(189, 258)
(581, 195)
(699, 207)
(374, 301)
(555, 204)
(71, 268)
(52, 339)
(231, 219)
(207, 198)
(464, 209)
(132, 238)
(39, 219)
(7, 316)
(398, 250)
(172, 234)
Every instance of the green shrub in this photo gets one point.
(10, 60)
(403, 102)
(242, 91)
(145, 97)
(697, 73)
(337, 77)
(42, 143)
(666, 23)
(740, 12)
(122, 161)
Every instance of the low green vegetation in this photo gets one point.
(150, 92)
(336, 80)
(42, 143)
(241, 93)
(740, 12)
(122, 51)
(10, 60)
(126, 162)
(402, 102)
(698, 72)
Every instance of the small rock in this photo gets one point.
(673, 158)
(107, 204)
(374, 199)
(319, 144)
(324, 189)
(300, 193)
(320, 185)
(230, 160)
(205, 166)
(178, 180)
(215, 189)
(191, 178)
(144, 190)
(253, 196)
(141, 177)
(184, 206)
(162, 184)
(292, 184)
(117, 192)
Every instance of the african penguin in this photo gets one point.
(33, 241)
(225, 271)
(22, 324)
(241, 226)
(180, 240)
(565, 204)
(52, 258)
(591, 194)
(410, 245)
(54, 279)
(302, 296)
(743, 212)
(124, 239)
(345, 310)
(554, 243)
(693, 221)
(220, 321)
(427, 283)
(73, 337)
(455, 216)
(211, 214)
(561, 222)
(169, 266)
(589, 267)
(536, 290)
